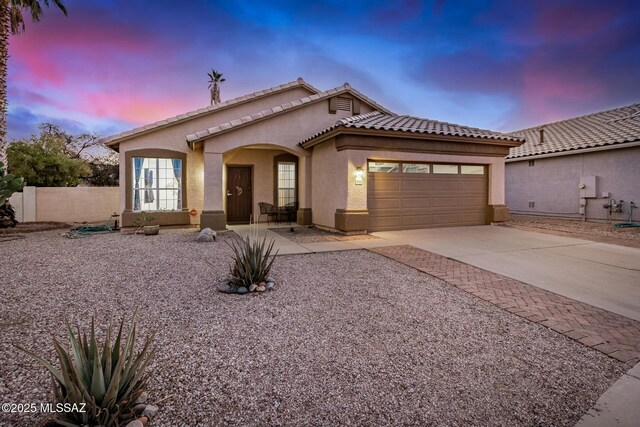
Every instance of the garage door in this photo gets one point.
(417, 195)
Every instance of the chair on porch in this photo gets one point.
(290, 210)
(269, 210)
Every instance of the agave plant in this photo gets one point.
(105, 381)
(251, 263)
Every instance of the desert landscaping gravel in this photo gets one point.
(597, 231)
(347, 338)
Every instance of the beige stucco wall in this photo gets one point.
(174, 138)
(282, 132)
(76, 204)
(338, 168)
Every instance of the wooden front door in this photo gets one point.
(239, 195)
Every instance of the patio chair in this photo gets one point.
(290, 210)
(269, 210)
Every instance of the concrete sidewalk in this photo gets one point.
(618, 406)
(285, 246)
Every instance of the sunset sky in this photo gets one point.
(112, 65)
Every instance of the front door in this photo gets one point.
(239, 197)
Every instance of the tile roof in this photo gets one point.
(380, 121)
(114, 139)
(345, 88)
(615, 126)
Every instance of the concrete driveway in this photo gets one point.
(599, 274)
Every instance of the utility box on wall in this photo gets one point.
(588, 186)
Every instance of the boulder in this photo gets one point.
(253, 287)
(242, 290)
(206, 235)
(261, 289)
(150, 411)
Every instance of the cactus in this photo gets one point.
(9, 184)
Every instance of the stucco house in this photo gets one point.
(344, 161)
(572, 168)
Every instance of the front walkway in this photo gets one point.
(285, 246)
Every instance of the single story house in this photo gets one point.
(344, 161)
(573, 168)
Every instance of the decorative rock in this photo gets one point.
(270, 286)
(253, 287)
(135, 423)
(150, 411)
(270, 279)
(144, 396)
(206, 235)
(225, 288)
(262, 284)
(242, 290)
(144, 421)
(139, 408)
(261, 289)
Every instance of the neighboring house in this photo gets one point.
(346, 162)
(574, 167)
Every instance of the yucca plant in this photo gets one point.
(251, 263)
(106, 382)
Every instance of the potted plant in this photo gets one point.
(143, 224)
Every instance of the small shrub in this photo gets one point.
(107, 379)
(143, 219)
(251, 262)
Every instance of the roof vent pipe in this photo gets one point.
(541, 136)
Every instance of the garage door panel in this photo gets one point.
(473, 217)
(447, 202)
(415, 202)
(415, 185)
(473, 201)
(416, 220)
(387, 203)
(384, 185)
(448, 185)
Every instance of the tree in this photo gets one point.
(51, 159)
(12, 22)
(215, 78)
(105, 171)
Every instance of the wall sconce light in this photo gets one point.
(359, 174)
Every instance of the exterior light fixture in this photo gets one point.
(359, 174)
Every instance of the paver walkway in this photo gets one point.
(612, 334)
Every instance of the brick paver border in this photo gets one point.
(612, 334)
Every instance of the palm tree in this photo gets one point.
(13, 23)
(214, 79)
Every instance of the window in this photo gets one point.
(384, 167)
(532, 163)
(445, 169)
(157, 184)
(472, 170)
(415, 168)
(286, 183)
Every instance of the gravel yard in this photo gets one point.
(347, 338)
(596, 231)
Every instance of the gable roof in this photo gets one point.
(605, 128)
(280, 109)
(116, 139)
(379, 121)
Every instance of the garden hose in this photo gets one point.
(628, 223)
(88, 230)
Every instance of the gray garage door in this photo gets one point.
(416, 195)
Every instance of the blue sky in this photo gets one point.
(503, 65)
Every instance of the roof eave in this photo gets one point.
(406, 134)
(192, 138)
